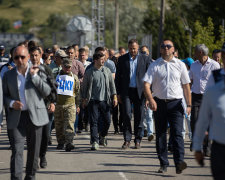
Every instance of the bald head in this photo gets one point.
(21, 57)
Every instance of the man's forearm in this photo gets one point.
(147, 91)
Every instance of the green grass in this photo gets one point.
(41, 9)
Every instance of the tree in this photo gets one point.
(205, 35)
(4, 25)
(173, 26)
(54, 24)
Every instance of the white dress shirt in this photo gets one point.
(21, 80)
(166, 78)
(200, 74)
(212, 115)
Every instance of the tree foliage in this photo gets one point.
(4, 25)
(205, 35)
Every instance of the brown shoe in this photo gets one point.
(137, 145)
(126, 145)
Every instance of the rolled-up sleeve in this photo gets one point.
(184, 75)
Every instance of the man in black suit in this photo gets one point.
(131, 68)
(24, 89)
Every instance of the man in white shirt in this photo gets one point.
(210, 118)
(199, 74)
(168, 78)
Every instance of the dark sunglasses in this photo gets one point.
(164, 46)
(17, 57)
(67, 67)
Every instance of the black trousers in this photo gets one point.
(45, 136)
(117, 117)
(218, 161)
(17, 139)
(95, 109)
(127, 102)
(196, 102)
(171, 112)
(83, 118)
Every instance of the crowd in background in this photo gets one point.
(72, 91)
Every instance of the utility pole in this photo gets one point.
(116, 26)
(162, 18)
(98, 21)
(223, 29)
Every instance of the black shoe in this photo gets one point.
(170, 149)
(151, 137)
(137, 145)
(43, 162)
(162, 169)
(116, 132)
(79, 131)
(50, 141)
(60, 146)
(69, 147)
(191, 147)
(126, 145)
(180, 167)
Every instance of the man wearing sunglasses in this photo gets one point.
(24, 91)
(169, 81)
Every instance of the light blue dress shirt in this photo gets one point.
(133, 71)
(212, 115)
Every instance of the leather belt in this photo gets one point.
(166, 100)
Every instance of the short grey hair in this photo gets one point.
(203, 48)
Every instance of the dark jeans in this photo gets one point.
(94, 107)
(171, 112)
(83, 118)
(17, 136)
(127, 101)
(117, 117)
(218, 161)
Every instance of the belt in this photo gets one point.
(166, 100)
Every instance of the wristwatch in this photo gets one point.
(188, 105)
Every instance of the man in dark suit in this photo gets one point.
(131, 68)
(24, 89)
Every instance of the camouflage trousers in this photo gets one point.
(65, 116)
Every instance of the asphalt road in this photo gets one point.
(110, 163)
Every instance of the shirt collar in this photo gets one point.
(173, 60)
(135, 58)
(28, 67)
(207, 62)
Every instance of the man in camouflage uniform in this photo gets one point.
(65, 111)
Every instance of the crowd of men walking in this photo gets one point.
(65, 89)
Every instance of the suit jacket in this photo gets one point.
(123, 74)
(36, 88)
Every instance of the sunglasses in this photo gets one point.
(164, 46)
(17, 57)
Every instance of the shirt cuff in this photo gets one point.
(11, 104)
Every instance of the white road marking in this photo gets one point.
(123, 175)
